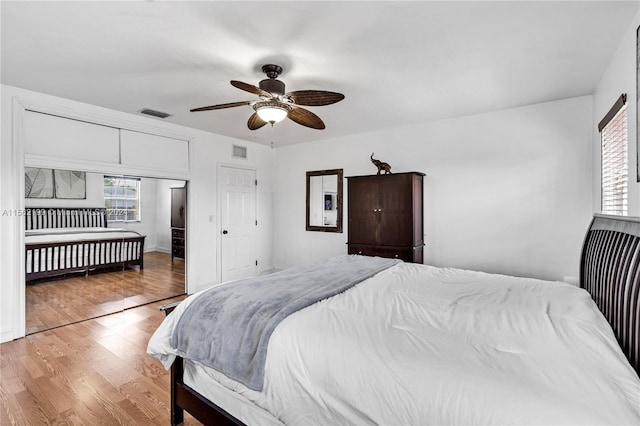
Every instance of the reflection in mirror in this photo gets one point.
(324, 200)
(76, 268)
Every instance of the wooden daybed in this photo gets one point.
(76, 240)
(609, 271)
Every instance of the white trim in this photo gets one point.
(17, 133)
(19, 106)
(35, 160)
(7, 335)
(102, 118)
(189, 287)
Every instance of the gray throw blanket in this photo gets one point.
(228, 327)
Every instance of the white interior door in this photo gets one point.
(238, 223)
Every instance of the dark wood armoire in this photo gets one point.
(178, 221)
(385, 216)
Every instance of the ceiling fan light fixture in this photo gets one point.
(272, 112)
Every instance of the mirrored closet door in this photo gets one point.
(96, 244)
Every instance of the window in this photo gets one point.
(613, 132)
(122, 198)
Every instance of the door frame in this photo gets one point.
(87, 113)
(219, 210)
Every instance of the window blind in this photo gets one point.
(122, 198)
(615, 159)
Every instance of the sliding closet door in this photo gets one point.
(158, 275)
(71, 272)
(119, 253)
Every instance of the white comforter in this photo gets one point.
(64, 235)
(422, 345)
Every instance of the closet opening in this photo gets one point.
(99, 243)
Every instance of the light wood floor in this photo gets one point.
(66, 300)
(94, 372)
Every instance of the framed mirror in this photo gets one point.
(324, 200)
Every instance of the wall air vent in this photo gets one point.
(239, 152)
(154, 113)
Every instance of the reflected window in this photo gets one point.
(122, 198)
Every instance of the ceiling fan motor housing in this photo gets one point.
(272, 85)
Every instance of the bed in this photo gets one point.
(415, 344)
(70, 240)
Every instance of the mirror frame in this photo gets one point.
(338, 227)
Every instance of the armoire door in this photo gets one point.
(363, 211)
(395, 206)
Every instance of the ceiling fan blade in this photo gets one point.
(221, 106)
(314, 97)
(250, 88)
(306, 118)
(255, 122)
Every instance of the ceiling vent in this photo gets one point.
(154, 113)
(239, 152)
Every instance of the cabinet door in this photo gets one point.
(395, 201)
(153, 151)
(53, 136)
(362, 208)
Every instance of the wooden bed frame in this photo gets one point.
(609, 271)
(80, 255)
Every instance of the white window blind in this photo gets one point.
(122, 198)
(615, 167)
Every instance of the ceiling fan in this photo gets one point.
(275, 105)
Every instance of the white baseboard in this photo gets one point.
(158, 249)
(6, 335)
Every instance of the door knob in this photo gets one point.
(225, 232)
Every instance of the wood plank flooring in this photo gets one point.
(94, 372)
(73, 298)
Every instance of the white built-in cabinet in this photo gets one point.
(53, 136)
(80, 141)
(152, 151)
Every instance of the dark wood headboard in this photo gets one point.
(610, 272)
(65, 217)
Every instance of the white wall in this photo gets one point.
(206, 152)
(620, 77)
(506, 191)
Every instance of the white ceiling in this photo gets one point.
(398, 63)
